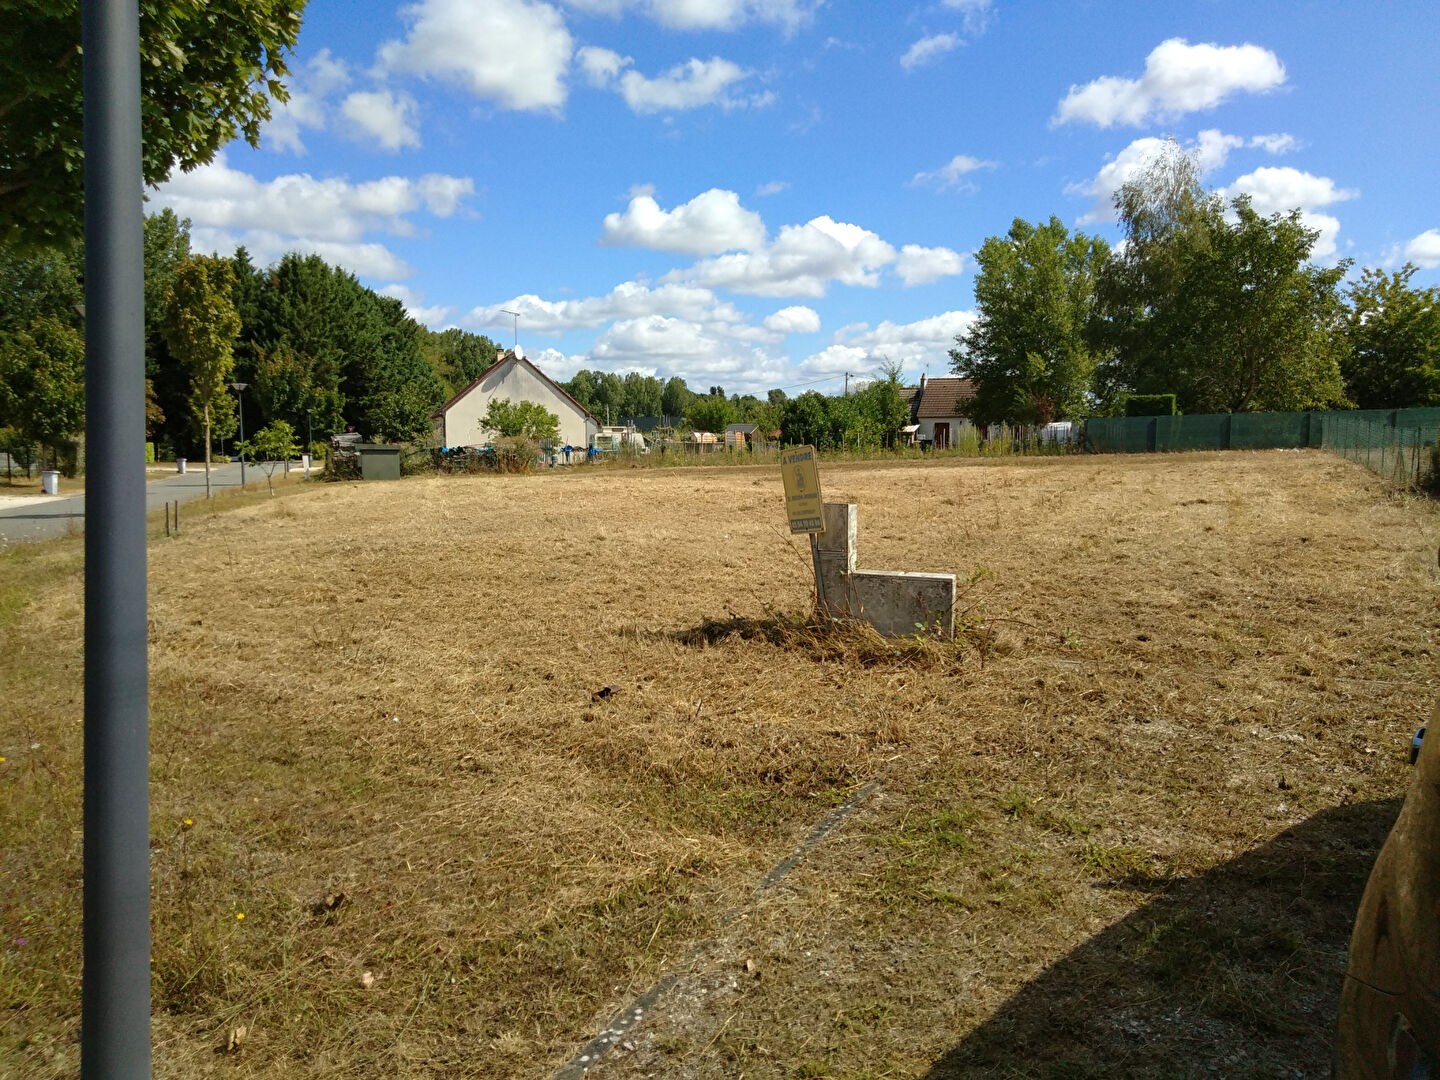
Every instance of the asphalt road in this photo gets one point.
(44, 517)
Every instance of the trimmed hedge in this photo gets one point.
(1150, 405)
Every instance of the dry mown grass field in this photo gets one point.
(1119, 832)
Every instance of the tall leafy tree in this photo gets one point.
(583, 387)
(675, 398)
(710, 413)
(1392, 341)
(1219, 305)
(40, 282)
(208, 74)
(881, 410)
(167, 245)
(643, 395)
(1028, 352)
(390, 390)
(1264, 319)
(295, 337)
(458, 356)
(201, 326)
(42, 381)
(610, 395)
(805, 421)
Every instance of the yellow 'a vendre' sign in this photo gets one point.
(800, 471)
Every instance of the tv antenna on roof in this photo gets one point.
(503, 311)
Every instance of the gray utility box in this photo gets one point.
(379, 461)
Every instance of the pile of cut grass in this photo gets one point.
(479, 759)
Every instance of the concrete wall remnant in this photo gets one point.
(896, 602)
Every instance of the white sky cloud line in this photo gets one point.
(331, 217)
(1210, 148)
(433, 315)
(976, 12)
(929, 49)
(692, 85)
(802, 261)
(793, 320)
(628, 300)
(712, 222)
(1279, 190)
(388, 118)
(790, 15)
(311, 85)
(1179, 78)
(952, 174)
(515, 53)
(923, 345)
(918, 265)
(1424, 250)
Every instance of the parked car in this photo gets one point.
(1389, 1023)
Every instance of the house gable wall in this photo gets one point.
(516, 381)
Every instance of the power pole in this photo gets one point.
(847, 384)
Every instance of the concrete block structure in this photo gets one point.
(895, 602)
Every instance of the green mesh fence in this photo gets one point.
(1401, 455)
(1393, 442)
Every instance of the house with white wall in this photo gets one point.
(516, 379)
(937, 411)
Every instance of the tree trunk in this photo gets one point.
(207, 451)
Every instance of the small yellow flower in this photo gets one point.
(2, 761)
(187, 823)
(240, 915)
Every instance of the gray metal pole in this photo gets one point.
(240, 396)
(115, 991)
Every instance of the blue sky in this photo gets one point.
(761, 193)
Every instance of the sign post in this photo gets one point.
(800, 472)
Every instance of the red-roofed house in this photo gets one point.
(937, 410)
(457, 422)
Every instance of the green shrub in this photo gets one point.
(516, 455)
(149, 453)
(1150, 405)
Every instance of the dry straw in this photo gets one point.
(391, 693)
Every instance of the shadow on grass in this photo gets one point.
(840, 639)
(1235, 973)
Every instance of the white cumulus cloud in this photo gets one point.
(918, 265)
(298, 212)
(513, 52)
(700, 353)
(976, 12)
(708, 14)
(691, 85)
(311, 86)
(929, 49)
(1179, 78)
(1424, 250)
(388, 118)
(801, 261)
(1210, 149)
(712, 222)
(434, 316)
(628, 300)
(917, 346)
(793, 320)
(952, 174)
(1280, 190)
